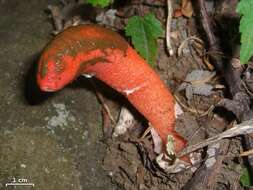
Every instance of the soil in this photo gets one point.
(55, 141)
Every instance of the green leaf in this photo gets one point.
(144, 32)
(245, 9)
(100, 3)
(245, 178)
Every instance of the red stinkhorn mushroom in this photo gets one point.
(97, 51)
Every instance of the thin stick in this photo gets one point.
(247, 153)
(192, 110)
(57, 18)
(183, 44)
(168, 28)
(232, 75)
(104, 105)
(147, 131)
(213, 41)
(244, 128)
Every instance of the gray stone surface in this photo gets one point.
(50, 140)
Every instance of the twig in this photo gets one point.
(107, 130)
(147, 131)
(168, 28)
(241, 129)
(182, 45)
(201, 112)
(206, 175)
(213, 41)
(232, 76)
(57, 18)
(247, 153)
(101, 99)
(246, 88)
(207, 63)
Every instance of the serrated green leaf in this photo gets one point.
(144, 32)
(245, 178)
(100, 3)
(244, 8)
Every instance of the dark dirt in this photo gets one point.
(55, 140)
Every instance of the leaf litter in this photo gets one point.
(129, 158)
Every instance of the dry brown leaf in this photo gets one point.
(186, 8)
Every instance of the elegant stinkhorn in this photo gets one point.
(104, 54)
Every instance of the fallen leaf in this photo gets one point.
(186, 8)
(196, 83)
(107, 18)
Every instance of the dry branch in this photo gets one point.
(244, 128)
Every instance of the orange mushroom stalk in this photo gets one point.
(104, 54)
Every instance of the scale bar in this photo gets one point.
(16, 184)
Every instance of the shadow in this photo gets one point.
(117, 4)
(34, 96)
(225, 28)
(226, 31)
(85, 11)
(224, 113)
(32, 93)
(92, 84)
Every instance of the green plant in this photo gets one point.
(100, 3)
(144, 32)
(245, 178)
(244, 8)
